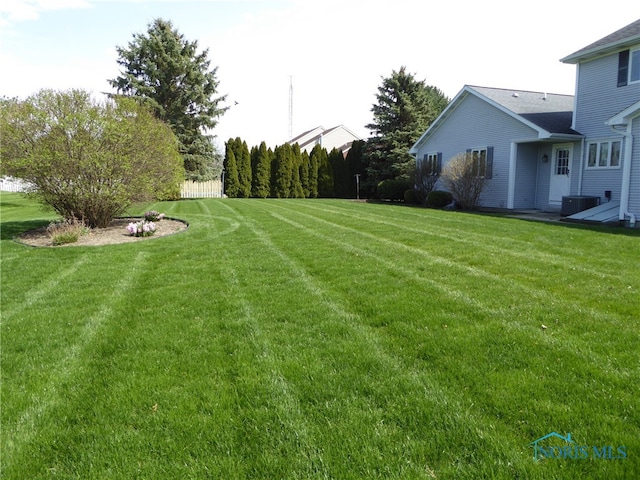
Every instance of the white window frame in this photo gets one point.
(431, 160)
(634, 66)
(603, 150)
(480, 160)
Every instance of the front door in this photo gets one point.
(560, 184)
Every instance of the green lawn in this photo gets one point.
(321, 339)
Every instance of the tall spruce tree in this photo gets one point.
(405, 109)
(166, 72)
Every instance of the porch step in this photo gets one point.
(604, 213)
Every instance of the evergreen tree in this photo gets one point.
(315, 158)
(356, 166)
(305, 166)
(243, 163)
(405, 109)
(165, 71)
(283, 171)
(262, 172)
(231, 181)
(325, 176)
(341, 180)
(296, 182)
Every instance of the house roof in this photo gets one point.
(549, 114)
(618, 40)
(315, 135)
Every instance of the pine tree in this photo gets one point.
(165, 71)
(405, 109)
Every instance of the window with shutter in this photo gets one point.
(482, 161)
(623, 68)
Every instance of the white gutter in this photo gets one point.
(626, 177)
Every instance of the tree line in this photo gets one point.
(286, 171)
(82, 157)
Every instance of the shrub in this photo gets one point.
(392, 189)
(439, 198)
(66, 231)
(461, 179)
(89, 159)
(412, 197)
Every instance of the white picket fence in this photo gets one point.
(189, 189)
(209, 189)
(10, 184)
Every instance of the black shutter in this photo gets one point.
(623, 68)
(439, 166)
(488, 171)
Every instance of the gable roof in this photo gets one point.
(618, 40)
(549, 114)
(310, 138)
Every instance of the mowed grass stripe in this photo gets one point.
(18, 435)
(424, 396)
(263, 343)
(493, 242)
(39, 294)
(346, 319)
(509, 285)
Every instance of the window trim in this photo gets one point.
(628, 65)
(434, 159)
(634, 65)
(487, 172)
(598, 152)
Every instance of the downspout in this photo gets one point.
(511, 188)
(582, 160)
(626, 176)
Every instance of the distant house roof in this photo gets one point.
(549, 114)
(339, 137)
(625, 37)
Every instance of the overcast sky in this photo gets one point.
(335, 53)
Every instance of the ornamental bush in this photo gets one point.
(439, 198)
(392, 189)
(89, 160)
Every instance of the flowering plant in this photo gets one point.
(143, 228)
(153, 216)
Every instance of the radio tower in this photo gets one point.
(290, 107)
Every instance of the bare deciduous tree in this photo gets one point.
(460, 176)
